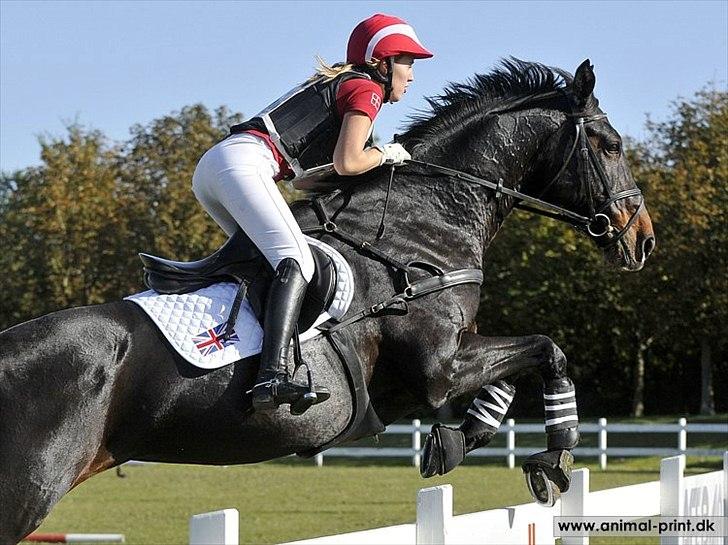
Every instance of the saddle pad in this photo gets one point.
(193, 322)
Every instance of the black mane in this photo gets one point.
(514, 82)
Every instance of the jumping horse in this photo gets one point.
(85, 389)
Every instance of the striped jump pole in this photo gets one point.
(75, 538)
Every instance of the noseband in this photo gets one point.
(597, 224)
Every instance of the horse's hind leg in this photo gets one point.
(44, 452)
(31, 475)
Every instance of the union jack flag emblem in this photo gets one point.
(208, 342)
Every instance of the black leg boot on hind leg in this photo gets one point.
(274, 386)
(445, 447)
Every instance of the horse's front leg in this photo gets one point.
(486, 361)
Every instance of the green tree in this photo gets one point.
(158, 163)
(63, 225)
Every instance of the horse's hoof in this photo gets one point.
(548, 475)
(543, 490)
(443, 451)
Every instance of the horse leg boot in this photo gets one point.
(445, 447)
(273, 386)
(548, 473)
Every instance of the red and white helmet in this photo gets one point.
(381, 36)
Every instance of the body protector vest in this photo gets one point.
(304, 124)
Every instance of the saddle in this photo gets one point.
(240, 261)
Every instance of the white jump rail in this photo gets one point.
(60, 537)
(673, 495)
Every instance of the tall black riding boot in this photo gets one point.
(285, 297)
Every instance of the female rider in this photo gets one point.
(325, 121)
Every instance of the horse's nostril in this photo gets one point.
(648, 245)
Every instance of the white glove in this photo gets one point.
(393, 154)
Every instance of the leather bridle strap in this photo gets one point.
(536, 205)
(559, 212)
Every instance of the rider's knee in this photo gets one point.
(305, 262)
(307, 265)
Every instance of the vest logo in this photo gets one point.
(376, 101)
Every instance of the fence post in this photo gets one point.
(682, 435)
(603, 443)
(511, 442)
(416, 442)
(215, 528)
(319, 459)
(434, 513)
(672, 473)
(725, 491)
(573, 503)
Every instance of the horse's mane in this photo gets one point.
(514, 83)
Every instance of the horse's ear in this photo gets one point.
(584, 81)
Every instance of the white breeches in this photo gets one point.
(234, 183)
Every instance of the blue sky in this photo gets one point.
(111, 64)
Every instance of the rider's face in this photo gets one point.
(402, 76)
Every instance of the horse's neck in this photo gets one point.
(504, 147)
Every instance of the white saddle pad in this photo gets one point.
(193, 322)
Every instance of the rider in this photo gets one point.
(325, 122)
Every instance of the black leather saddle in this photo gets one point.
(238, 260)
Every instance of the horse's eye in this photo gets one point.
(613, 147)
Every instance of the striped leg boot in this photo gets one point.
(445, 447)
(562, 420)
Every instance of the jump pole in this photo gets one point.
(75, 538)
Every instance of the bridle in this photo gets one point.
(597, 224)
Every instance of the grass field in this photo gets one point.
(292, 499)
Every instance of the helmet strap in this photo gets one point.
(388, 83)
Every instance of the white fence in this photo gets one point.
(673, 495)
(680, 430)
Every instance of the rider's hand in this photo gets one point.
(393, 154)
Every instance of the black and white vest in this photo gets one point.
(304, 124)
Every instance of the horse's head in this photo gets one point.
(587, 172)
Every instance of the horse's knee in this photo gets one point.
(434, 398)
(551, 357)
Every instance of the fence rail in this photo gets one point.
(510, 429)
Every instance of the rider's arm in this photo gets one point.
(350, 157)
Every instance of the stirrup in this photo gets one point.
(281, 390)
(311, 397)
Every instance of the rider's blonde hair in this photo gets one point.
(330, 71)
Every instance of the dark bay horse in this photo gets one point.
(86, 389)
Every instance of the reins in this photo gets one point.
(587, 157)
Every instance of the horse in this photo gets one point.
(83, 390)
